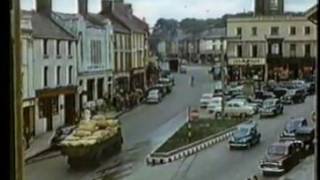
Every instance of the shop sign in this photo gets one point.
(245, 61)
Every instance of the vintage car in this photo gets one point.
(292, 126)
(256, 103)
(245, 136)
(154, 96)
(234, 108)
(306, 136)
(205, 99)
(183, 70)
(281, 157)
(271, 107)
(167, 74)
(263, 95)
(294, 96)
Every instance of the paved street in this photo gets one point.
(147, 126)
(144, 128)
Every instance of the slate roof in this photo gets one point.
(213, 33)
(124, 19)
(44, 27)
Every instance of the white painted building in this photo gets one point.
(95, 57)
(53, 71)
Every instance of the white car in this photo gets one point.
(232, 108)
(154, 96)
(245, 101)
(205, 99)
(213, 104)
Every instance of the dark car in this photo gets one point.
(311, 88)
(280, 157)
(271, 107)
(305, 135)
(263, 95)
(280, 92)
(167, 74)
(60, 134)
(292, 126)
(294, 96)
(183, 70)
(245, 136)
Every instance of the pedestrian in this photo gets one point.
(191, 80)
(27, 137)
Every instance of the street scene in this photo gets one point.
(123, 92)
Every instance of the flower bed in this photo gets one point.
(200, 129)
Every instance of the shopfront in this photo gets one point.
(137, 79)
(241, 68)
(283, 69)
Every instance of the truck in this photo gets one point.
(91, 154)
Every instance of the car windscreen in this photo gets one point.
(277, 150)
(291, 125)
(241, 131)
(153, 92)
(268, 103)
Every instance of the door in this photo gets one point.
(69, 109)
(45, 108)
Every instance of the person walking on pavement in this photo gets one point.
(191, 80)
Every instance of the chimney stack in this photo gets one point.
(107, 6)
(83, 7)
(43, 6)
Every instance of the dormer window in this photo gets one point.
(274, 4)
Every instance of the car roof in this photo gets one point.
(282, 143)
(248, 125)
(272, 99)
(207, 94)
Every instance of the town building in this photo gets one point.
(28, 93)
(130, 45)
(95, 64)
(272, 46)
(53, 70)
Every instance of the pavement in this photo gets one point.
(148, 126)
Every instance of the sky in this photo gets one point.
(152, 10)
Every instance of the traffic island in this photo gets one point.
(204, 133)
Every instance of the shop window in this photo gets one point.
(275, 49)
(41, 109)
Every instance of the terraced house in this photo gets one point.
(130, 45)
(94, 58)
(50, 72)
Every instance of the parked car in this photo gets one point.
(59, 135)
(256, 103)
(246, 136)
(167, 74)
(292, 126)
(271, 107)
(165, 82)
(234, 91)
(154, 96)
(281, 157)
(311, 88)
(213, 103)
(263, 95)
(294, 96)
(280, 92)
(205, 99)
(237, 108)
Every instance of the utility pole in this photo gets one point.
(222, 66)
(16, 89)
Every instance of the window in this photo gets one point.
(307, 50)
(45, 47)
(70, 74)
(55, 105)
(292, 30)
(239, 31)
(45, 76)
(254, 51)
(58, 49)
(70, 48)
(239, 51)
(273, 4)
(274, 31)
(58, 75)
(254, 31)
(275, 49)
(307, 30)
(95, 48)
(292, 50)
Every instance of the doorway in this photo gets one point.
(69, 100)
